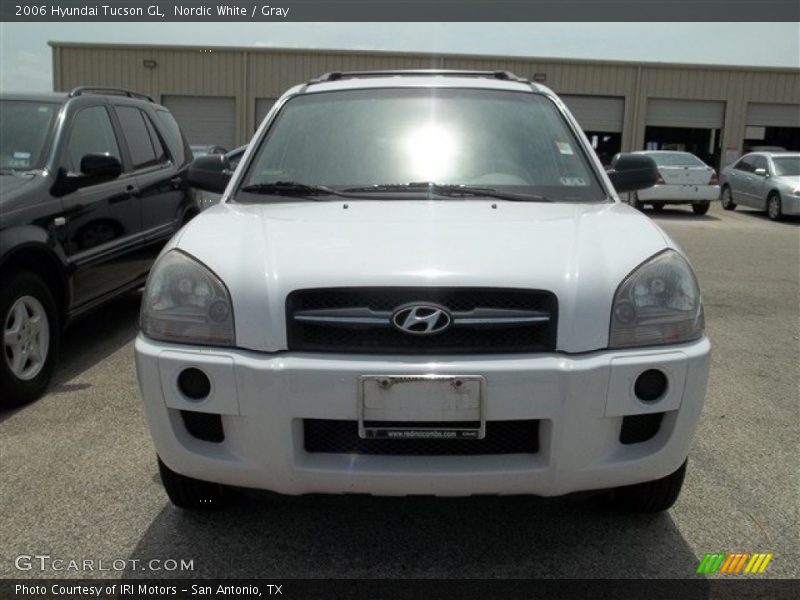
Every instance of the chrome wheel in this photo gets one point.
(727, 199)
(26, 337)
(774, 208)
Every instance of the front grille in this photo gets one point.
(387, 339)
(341, 437)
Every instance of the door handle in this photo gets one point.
(132, 189)
(176, 181)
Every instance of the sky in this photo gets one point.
(26, 60)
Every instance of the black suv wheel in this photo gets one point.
(31, 334)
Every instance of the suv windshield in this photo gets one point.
(377, 141)
(786, 165)
(24, 130)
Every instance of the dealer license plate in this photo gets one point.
(421, 407)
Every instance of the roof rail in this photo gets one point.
(90, 89)
(337, 75)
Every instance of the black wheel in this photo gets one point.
(701, 208)
(31, 334)
(727, 199)
(637, 204)
(651, 496)
(192, 494)
(657, 206)
(774, 208)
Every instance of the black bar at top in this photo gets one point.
(406, 10)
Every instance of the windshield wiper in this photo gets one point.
(290, 188)
(449, 191)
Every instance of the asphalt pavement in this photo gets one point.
(78, 478)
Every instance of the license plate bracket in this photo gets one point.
(421, 407)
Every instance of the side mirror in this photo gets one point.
(761, 172)
(95, 168)
(210, 173)
(631, 172)
(100, 167)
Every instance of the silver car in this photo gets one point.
(769, 181)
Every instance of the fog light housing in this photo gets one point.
(194, 384)
(203, 426)
(640, 428)
(650, 385)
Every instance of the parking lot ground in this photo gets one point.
(78, 476)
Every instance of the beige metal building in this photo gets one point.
(219, 95)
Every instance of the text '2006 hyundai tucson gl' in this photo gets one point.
(422, 283)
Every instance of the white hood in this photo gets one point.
(580, 252)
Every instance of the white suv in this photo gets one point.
(422, 283)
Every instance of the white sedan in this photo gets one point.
(683, 179)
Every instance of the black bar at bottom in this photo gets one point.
(753, 587)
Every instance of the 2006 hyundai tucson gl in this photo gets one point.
(422, 283)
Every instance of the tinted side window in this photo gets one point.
(745, 164)
(172, 134)
(139, 143)
(161, 153)
(91, 133)
(760, 163)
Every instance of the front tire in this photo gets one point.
(727, 199)
(657, 206)
(774, 207)
(701, 208)
(637, 204)
(31, 334)
(651, 496)
(192, 494)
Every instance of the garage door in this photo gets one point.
(262, 108)
(205, 119)
(773, 115)
(597, 113)
(696, 114)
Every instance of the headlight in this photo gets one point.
(185, 302)
(658, 303)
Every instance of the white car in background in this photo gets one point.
(683, 179)
(422, 283)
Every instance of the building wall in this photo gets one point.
(250, 73)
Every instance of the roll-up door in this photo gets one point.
(205, 119)
(695, 114)
(773, 115)
(597, 113)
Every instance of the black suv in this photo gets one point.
(92, 184)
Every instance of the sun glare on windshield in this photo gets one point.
(431, 153)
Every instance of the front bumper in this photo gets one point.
(679, 194)
(579, 400)
(790, 205)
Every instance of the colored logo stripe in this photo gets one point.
(711, 562)
(734, 563)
